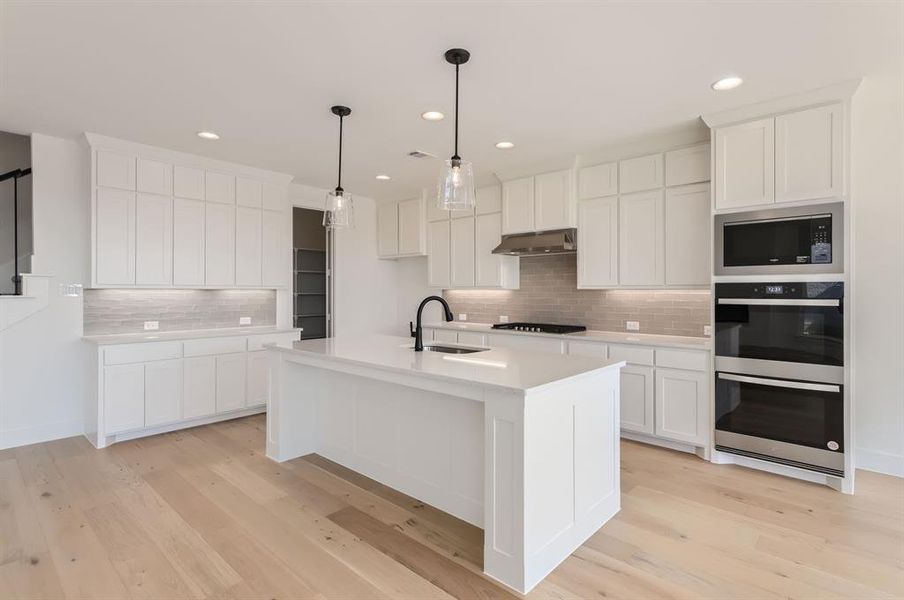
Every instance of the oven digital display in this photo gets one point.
(775, 289)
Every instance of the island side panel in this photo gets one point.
(291, 408)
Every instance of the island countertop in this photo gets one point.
(509, 369)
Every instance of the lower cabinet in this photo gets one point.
(162, 392)
(682, 405)
(199, 387)
(230, 382)
(636, 398)
(258, 380)
(123, 398)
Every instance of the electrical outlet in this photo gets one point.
(632, 325)
(707, 330)
(503, 318)
(244, 320)
(462, 316)
(151, 325)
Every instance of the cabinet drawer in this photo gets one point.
(257, 342)
(682, 359)
(594, 349)
(136, 353)
(215, 346)
(527, 342)
(635, 355)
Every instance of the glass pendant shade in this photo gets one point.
(338, 211)
(455, 189)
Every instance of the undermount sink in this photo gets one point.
(454, 349)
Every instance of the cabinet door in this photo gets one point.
(445, 336)
(518, 205)
(687, 235)
(598, 242)
(439, 265)
(274, 252)
(258, 379)
(248, 192)
(491, 270)
(411, 227)
(188, 242)
(598, 181)
(188, 182)
(247, 246)
(641, 173)
(114, 230)
(594, 349)
(115, 170)
(162, 392)
(469, 338)
(230, 381)
(636, 399)
(154, 240)
(388, 229)
(687, 165)
(219, 245)
(462, 249)
(219, 187)
(488, 200)
(526, 342)
(808, 161)
(155, 177)
(553, 201)
(273, 196)
(199, 387)
(641, 235)
(681, 405)
(434, 212)
(123, 398)
(745, 164)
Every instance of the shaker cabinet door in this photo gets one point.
(808, 148)
(687, 235)
(641, 233)
(745, 164)
(123, 398)
(162, 392)
(219, 242)
(518, 205)
(682, 401)
(154, 240)
(462, 249)
(114, 230)
(248, 246)
(231, 381)
(199, 387)
(188, 242)
(636, 399)
(439, 261)
(598, 242)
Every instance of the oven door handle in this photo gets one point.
(779, 302)
(796, 385)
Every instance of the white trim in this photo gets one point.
(656, 441)
(878, 461)
(46, 432)
(140, 433)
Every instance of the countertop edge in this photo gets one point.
(114, 339)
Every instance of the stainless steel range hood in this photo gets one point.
(541, 243)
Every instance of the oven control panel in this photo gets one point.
(829, 290)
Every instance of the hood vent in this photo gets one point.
(541, 243)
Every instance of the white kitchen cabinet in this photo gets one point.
(219, 245)
(518, 205)
(274, 252)
(554, 201)
(808, 154)
(199, 387)
(439, 260)
(444, 336)
(114, 230)
(115, 170)
(528, 342)
(641, 173)
(687, 165)
(248, 246)
(188, 242)
(598, 181)
(248, 192)
(687, 235)
(682, 401)
(489, 200)
(493, 270)
(155, 177)
(636, 399)
(188, 182)
(593, 349)
(745, 164)
(258, 379)
(641, 257)
(388, 230)
(411, 227)
(469, 338)
(231, 381)
(462, 252)
(273, 196)
(219, 187)
(162, 392)
(434, 212)
(597, 260)
(123, 398)
(154, 240)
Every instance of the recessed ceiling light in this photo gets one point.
(433, 115)
(384, 177)
(208, 135)
(504, 145)
(728, 83)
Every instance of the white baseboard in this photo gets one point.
(47, 432)
(880, 462)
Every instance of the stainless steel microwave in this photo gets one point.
(780, 241)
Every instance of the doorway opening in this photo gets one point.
(312, 275)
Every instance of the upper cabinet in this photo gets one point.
(518, 205)
(687, 165)
(388, 230)
(539, 203)
(598, 242)
(641, 173)
(687, 235)
(401, 229)
(158, 223)
(598, 181)
(745, 164)
(641, 239)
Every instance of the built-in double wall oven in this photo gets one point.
(780, 372)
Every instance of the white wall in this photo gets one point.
(44, 369)
(877, 195)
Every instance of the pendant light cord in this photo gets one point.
(456, 114)
(339, 182)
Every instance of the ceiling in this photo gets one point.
(556, 78)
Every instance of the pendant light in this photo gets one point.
(339, 211)
(455, 189)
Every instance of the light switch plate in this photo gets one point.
(244, 320)
(503, 318)
(707, 330)
(151, 325)
(632, 325)
(462, 316)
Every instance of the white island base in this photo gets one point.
(521, 444)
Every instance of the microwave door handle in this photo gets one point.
(778, 302)
(796, 385)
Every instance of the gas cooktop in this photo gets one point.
(540, 327)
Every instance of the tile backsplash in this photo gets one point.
(549, 294)
(125, 311)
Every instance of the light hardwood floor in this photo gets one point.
(203, 513)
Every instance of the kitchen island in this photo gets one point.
(522, 444)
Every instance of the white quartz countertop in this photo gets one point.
(517, 370)
(190, 334)
(613, 337)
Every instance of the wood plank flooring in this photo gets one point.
(202, 513)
